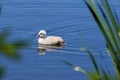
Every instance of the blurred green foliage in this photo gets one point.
(1, 72)
(9, 49)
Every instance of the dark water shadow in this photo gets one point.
(42, 49)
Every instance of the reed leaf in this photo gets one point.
(109, 29)
(111, 24)
(109, 12)
(76, 68)
(105, 75)
(99, 21)
(114, 23)
(94, 62)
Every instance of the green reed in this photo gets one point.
(109, 24)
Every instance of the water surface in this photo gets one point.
(67, 18)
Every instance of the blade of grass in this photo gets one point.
(113, 21)
(109, 29)
(101, 24)
(76, 68)
(105, 75)
(94, 62)
(105, 63)
(109, 11)
(102, 27)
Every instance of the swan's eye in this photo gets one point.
(42, 35)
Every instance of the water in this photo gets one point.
(67, 18)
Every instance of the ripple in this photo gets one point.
(70, 24)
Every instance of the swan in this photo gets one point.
(49, 40)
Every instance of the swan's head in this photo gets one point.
(42, 34)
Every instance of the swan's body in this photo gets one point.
(50, 40)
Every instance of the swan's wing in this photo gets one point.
(60, 39)
(54, 39)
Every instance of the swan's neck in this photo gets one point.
(40, 40)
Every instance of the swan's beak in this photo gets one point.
(37, 36)
(41, 35)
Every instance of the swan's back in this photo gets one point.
(51, 40)
(54, 38)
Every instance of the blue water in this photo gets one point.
(67, 18)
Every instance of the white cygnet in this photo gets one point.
(49, 40)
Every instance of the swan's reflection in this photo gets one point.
(43, 48)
